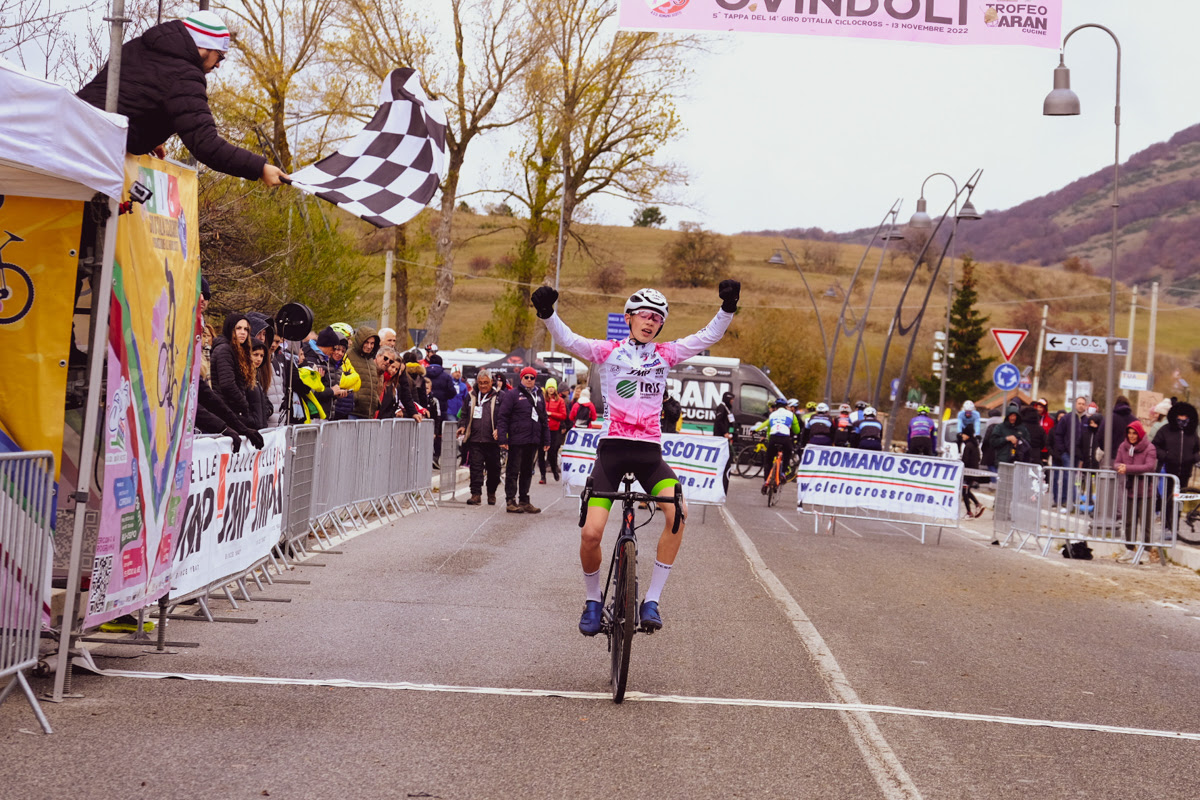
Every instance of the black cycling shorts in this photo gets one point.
(615, 457)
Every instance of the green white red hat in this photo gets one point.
(207, 30)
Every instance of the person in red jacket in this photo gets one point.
(1135, 458)
(583, 413)
(556, 410)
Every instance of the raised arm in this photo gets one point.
(682, 349)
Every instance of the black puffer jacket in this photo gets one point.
(227, 380)
(515, 420)
(1178, 447)
(163, 92)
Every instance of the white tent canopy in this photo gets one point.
(52, 144)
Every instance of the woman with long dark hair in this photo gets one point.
(233, 366)
(256, 395)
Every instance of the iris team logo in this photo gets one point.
(666, 8)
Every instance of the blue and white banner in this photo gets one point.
(699, 462)
(841, 477)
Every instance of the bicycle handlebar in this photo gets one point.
(634, 497)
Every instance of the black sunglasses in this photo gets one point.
(387, 360)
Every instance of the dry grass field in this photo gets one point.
(1011, 295)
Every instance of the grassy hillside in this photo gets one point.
(1011, 295)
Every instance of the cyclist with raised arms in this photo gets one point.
(633, 378)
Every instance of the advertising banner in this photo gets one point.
(1036, 24)
(699, 462)
(840, 477)
(39, 241)
(153, 368)
(234, 511)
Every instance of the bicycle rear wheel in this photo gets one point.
(624, 616)
(749, 462)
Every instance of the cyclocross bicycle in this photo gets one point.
(751, 458)
(774, 479)
(620, 599)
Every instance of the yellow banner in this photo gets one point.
(39, 241)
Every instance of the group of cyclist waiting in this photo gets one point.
(789, 432)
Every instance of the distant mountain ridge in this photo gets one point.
(1158, 221)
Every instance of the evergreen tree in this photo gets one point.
(967, 377)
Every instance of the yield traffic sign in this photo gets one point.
(1008, 340)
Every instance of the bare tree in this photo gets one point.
(614, 95)
(279, 42)
(494, 43)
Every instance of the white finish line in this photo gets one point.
(641, 697)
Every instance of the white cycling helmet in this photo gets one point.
(869, 412)
(650, 299)
(968, 405)
(844, 408)
(822, 408)
(793, 403)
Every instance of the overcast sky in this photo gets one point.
(797, 131)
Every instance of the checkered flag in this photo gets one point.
(390, 170)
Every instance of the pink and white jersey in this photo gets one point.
(633, 376)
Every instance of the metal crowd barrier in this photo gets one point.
(1039, 503)
(26, 496)
(448, 461)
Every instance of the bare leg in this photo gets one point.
(590, 536)
(668, 543)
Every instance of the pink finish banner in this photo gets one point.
(1036, 24)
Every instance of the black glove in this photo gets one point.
(237, 440)
(543, 299)
(730, 291)
(255, 438)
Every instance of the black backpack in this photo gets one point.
(583, 416)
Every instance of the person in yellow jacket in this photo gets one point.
(343, 379)
(310, 376)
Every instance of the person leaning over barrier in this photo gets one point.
(395, 399)
(163, 91)
(477, 426)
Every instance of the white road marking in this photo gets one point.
(885, 767)
(641, 697)
(785, 522)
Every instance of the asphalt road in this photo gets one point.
(438, 657)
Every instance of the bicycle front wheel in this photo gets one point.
(624, 616)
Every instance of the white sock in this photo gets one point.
(591, 583)
(658, 579)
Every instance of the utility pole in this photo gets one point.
(1150, 336)
(1037, 359)
(1132, 315)
(388, 260)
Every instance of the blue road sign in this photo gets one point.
(1006, 377)
(617, 329)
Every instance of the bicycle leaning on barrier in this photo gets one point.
(620, 618)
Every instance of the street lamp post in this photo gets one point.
(921, 221)
(1062, 102)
